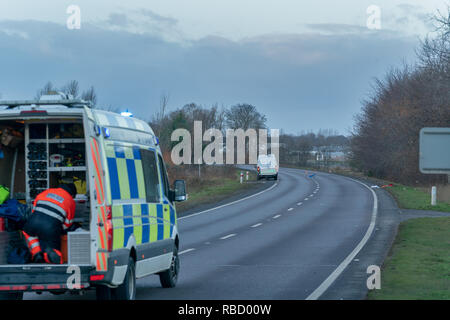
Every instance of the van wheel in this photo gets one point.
(169, 277)
(276, 177)
(11, 296)
(127, 290)
(103, 293)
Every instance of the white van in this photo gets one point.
(267, 167)
(125, 205)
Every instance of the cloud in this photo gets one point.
(118, 19)
(337, 28)
(300, 81)
(143, 21)
(154, 17)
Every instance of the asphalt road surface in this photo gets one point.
(282, 243)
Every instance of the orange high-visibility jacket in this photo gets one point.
(56, 203)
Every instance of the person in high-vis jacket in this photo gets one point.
(53, 212)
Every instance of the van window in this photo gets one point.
(164, 178)
(150, 169)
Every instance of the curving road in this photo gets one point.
(282, 243)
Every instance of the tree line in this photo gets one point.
(300, 149)
(163, 123)
(385, 138)
(70, 88)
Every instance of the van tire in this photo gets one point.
(169, 277)
(275, 177)
(127, 290)
(103, 293)
(11, 296)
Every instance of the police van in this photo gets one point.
(267, 167)
(125, 206)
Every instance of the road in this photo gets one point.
(280, 244)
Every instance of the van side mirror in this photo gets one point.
(179, 193)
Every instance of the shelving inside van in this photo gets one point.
(43, 154)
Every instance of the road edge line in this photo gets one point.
(319, 291)
(229, 204)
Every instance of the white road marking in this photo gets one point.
(290, 209)
(300, 203)
(186, 251)
(277, 216)
(336, 273)
(306, 199)
(228, 236)
(256, 225)
(229, 204)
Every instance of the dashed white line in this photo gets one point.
(290, 209)
(186, 251)
(306, 199)
(228, 236)
(300, 203)
(333, 276)
(277, 216)
(256, 225)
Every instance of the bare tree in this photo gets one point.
(90, 95)
(48, 87)
(245, 116)
(72, 88)
(385, 141)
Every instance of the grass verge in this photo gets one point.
(418, 266)
(415, 198)
(215, 189)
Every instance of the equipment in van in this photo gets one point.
(15, 214)
(56, 160)
(4, 194)
(10, 138)
(37, 174)
(37, 165)
(19, 255)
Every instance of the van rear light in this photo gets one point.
(257, 168)
(109, 228)
(33, 112)
(97, 277)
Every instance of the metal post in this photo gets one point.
(241, 177)
(246, 176)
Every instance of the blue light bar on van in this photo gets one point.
(97, 130)
(126, 114)
(106, 133)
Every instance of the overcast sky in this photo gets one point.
(305, 64)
